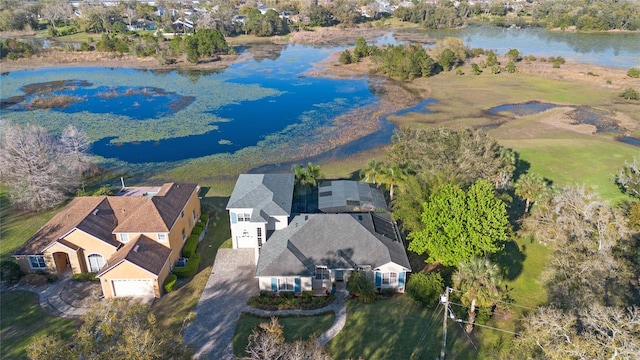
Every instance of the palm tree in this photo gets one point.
(372, 172)
(478, 280)
(306, 177)
(529, 187)
(392, 176)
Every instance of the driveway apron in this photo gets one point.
(231, 282)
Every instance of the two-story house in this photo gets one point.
(131, 241)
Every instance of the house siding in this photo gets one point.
(76, 258)
(301, 283)
(175, 233)
(88, 245)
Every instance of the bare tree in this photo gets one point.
(36, 167)
(56, 10)
(629, 178)
(75, 143)
(267, 343)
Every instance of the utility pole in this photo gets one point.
(444, 299)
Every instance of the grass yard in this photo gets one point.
(295, 328)
(16, 228)
(396, 329)
(22, 320)
(175, 310)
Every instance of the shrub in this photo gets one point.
(197, 230)
(266, 293)
(345, 57)
(630, 94)
(495, 69)
(361, 287)
(170, 283)
(268, 301)
(190, 246)
(51, 277)
(387, 292)
(10, 272)
(190, 269)
(475, 69)
(204, 218)
(511, 67)
(34, 279)
(634, 73)
(287, 294)
(91, 276)
(425, 288)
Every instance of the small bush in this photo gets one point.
(634, 73)
(630, 94)
(197, 231)
(204, 218)
(345, 57)
(287, 294)
(425, 288)
(190, 246)
(592, 74)
(34, 279)
(170, 283)
(268, 301)
(476, 69)
(190, 269)
(10, 272)
(266, 293)
(387, 292)
(51, 277)
(90, 276)
(361, 287)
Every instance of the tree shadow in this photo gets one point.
(511, 260)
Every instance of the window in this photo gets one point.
(182, 214)
(322, 273)
(124, 238)
(96, 262)
(244, 217)
(162, 237)
(259, 230)
(184, 235)
(190, 223)
(389, 278)
(37, 262)
(193, 215)
(285, 284)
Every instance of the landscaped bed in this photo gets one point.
(287, 300)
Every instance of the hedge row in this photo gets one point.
(190, 268)
(190, 246)
(170, 282)
(204, 218)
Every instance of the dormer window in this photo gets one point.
(162, 237)
(244, 217)
(124, 238)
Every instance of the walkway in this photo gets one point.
(230, 285)
(337, 307)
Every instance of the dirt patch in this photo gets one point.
(562, 118)
(81, 294)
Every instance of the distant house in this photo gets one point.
(141, 24)
(131, 241)
(316, 252)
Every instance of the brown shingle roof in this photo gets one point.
(143, 252)
(63, 222)
(104, 215)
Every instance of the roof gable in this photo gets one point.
(267, 194)
(333, 240)
(142, 252)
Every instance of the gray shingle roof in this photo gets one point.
(267, 194)
(349, 196)
(332, 240)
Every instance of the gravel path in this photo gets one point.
(231, 283)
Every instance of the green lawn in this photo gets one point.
(15, 227)
(173, 309)
(397, 329)
(22, 320)
(295, 328)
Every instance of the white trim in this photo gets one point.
(104, 262)
(86, 233)
(38, 257)
(286, 282)
(59, 243)
(111, 267)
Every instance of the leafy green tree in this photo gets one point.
(425, 288)
(447, 59)
(320, 16)
(10, 272)
(514, 55)
(510, 67)
(492, 58)
(459, 225)
(372, 172)
(529, 187)
(479, 281)
(346, 57)
(392, 176)
(476, 69)
(362, 49)
(361, 286)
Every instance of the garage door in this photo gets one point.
(133, 287)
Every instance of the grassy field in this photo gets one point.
(22, 320)
(295, 328)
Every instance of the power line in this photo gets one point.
(496, 300)
(487, 326)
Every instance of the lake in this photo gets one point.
(140, 116)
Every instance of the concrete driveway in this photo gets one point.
(231, 283)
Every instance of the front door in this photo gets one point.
(62, 262)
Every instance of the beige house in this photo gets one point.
(131, 241)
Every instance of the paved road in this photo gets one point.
(231, 283)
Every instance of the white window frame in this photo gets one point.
(37, 259)
(323, 272)
(286, 284)
(162, 237)
(390, 278)
(246, 217)
(104, 262)
(124, 238)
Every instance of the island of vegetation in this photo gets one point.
(527, 222)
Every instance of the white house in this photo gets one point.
(259, 205)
